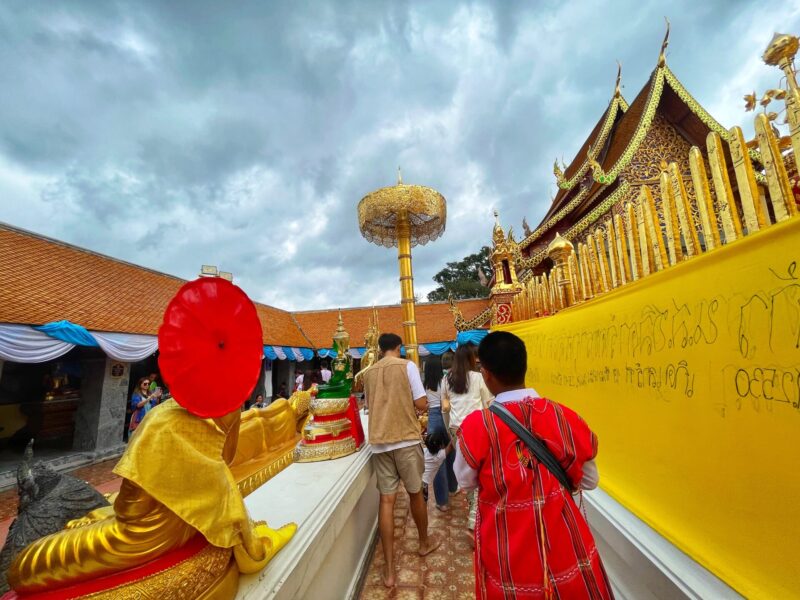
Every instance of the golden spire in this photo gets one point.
(617, 90)
(662, 57)
(497, 231)
(341, 338)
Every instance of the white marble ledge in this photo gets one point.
(322, 498)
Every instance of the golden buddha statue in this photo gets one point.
(179, 528)
(179, 481)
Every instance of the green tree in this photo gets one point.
(462, 279)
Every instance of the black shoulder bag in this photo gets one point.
(535, 445)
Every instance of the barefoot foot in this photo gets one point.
(387, 576)
(434, 541)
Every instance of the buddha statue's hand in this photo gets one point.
(104, 512)
(268, 542)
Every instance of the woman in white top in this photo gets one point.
(464, 387)
(466, 392)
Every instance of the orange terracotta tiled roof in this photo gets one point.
(45, 280)
(434, 321)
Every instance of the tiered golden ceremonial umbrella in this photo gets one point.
(403, 216)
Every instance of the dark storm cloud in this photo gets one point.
(173, 134)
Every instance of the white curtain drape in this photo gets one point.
(126, 347)
(23, 344)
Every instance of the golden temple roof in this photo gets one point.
(614, 141)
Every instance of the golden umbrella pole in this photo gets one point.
(403, 229)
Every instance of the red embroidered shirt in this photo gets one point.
(526, 519)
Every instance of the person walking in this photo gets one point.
(394, 390)
(529, 453)
(466, 392)
(452, 482)
(433, 389)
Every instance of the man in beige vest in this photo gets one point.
(394, 390)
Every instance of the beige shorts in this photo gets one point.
(404, 464)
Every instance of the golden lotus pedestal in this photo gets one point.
(328, 433)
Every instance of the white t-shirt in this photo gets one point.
(326, 375)
(476, 397)
(298, 382)
(417, 391)
(434, 397)
(432, 464)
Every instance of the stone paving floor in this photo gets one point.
(98, 475)
(445, 574)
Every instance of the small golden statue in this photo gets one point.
(333, 428)
(371, 351)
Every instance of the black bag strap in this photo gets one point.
(535, 445)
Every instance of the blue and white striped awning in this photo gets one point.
(288, 353)
(24, 343)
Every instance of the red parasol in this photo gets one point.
(210, 346)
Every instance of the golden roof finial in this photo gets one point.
(598, 174)
(399, 177)
(662, 57)
(617, 90)
(559, 171)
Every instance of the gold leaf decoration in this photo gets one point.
(750, 101)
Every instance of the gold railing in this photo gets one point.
(639, 238)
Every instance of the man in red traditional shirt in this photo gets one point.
(531, 540)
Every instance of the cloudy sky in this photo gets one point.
(243, 134)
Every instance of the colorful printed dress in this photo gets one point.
(528, 525)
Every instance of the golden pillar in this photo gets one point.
(403, 229)
(403, 216)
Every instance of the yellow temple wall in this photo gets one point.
(691, 379)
